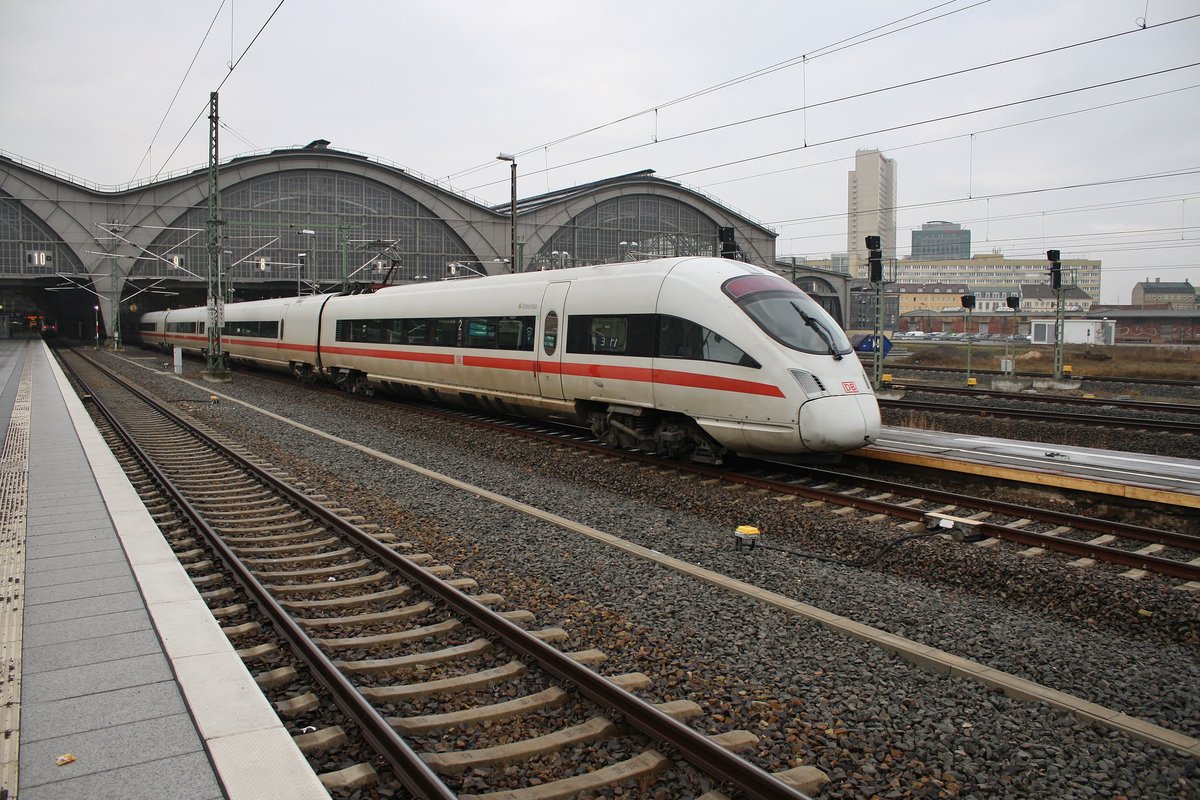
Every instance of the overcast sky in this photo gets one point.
(587, 90)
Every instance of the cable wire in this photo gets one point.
(828, 49)
(175, 96)
(943, 139)
(859, 95)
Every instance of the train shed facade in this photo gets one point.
(309, 218)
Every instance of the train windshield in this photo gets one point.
(788, 315)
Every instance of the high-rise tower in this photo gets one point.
(871, 209)
(940, 240)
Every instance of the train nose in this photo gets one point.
(844, 422)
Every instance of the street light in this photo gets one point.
(299, 271)
(626, 252)
(513, 210)
(97, 310)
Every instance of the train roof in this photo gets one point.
(658, 266)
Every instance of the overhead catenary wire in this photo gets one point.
(232, 66)
(944, 118)
(1116, 204)
(1184, 171)
(828, 49)
(953, 137)
(855, 96)
(178, 89)
(470, 221)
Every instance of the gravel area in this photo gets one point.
(876, 724)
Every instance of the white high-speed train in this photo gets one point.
(692, 357)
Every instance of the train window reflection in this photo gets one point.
(788, 315)
(682, 338)
(492, 333)
(550, 333)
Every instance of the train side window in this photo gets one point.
(550, 333)
(684, 339)
(480, 332)
(393, 331)
(611, 334)
(445, 332)
(508, 332)
(417, 331)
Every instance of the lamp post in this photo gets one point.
(299, 271)
(97, 310)
(513, 210)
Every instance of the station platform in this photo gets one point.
(117, 681)
(1159, 479)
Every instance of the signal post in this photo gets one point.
(875, 263)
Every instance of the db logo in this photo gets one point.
(850, 387)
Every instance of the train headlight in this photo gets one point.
(809, 383)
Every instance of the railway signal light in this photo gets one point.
(728, 245)
(875, 258)
(1055, 260)
(1013, 301)
(968, 301)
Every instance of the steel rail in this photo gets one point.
(1165, 566)
(1185, 541)
(414, 773)
(1125, 530)
(695, 747)
(1059, 416)
(1050, 399)
(1096, 378)
(1178, 569)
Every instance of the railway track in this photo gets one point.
(980, 520)
(1187, 409)
(1140, 549)
(453, 698)
(1102, 379)
(1107, 420)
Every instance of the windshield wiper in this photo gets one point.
(816, 326)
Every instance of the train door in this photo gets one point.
(549, 349)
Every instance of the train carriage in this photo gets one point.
(688, 356)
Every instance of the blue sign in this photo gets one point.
(865, 343)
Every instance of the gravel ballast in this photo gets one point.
(875, 723)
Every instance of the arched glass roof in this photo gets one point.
(28, 247)
(649, 225)
(265, 224)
